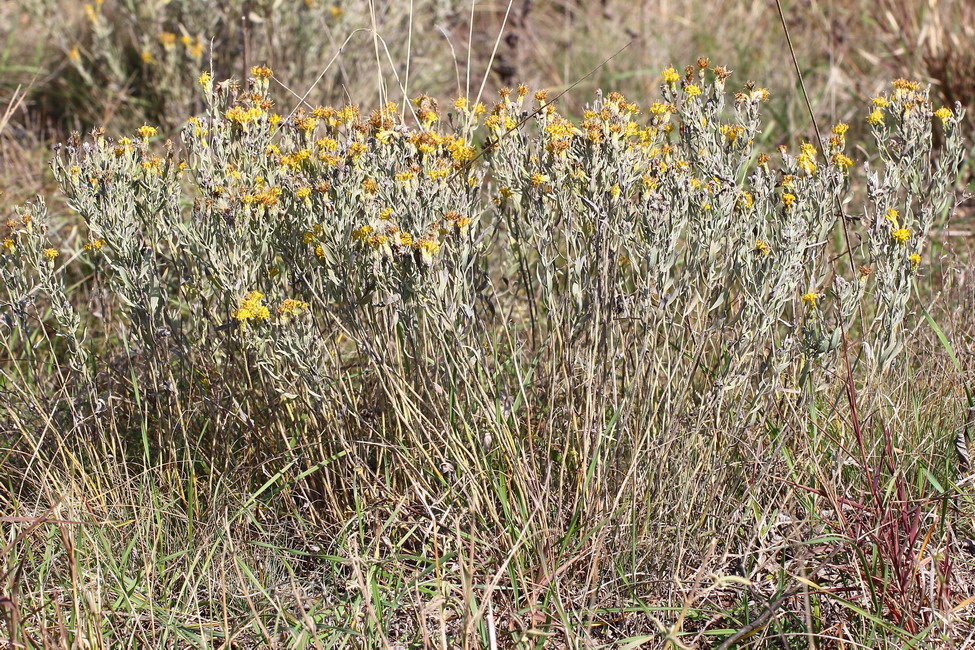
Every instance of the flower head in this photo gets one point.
(290, 307)
(251, 307)
(901, 235)
(842, 161)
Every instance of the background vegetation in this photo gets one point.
(507, 440)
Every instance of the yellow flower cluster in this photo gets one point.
(240, 115)
(807, 158)
(251, 307)
(290, 307)
(901, 235)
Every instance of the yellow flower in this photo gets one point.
(290, 307)
(538, 179)
(671, 76)
(147, 57)
(692, 90)
(94, 245)
(901, 235)
(242, 116)
(306, 124)
(377, 240)
(657, 108)
(914, 258)
(943, 114)
(891, 216)
(841, 128)
(303, 192)
(788, 199)
(251, 308)
(746, 200)
(205, 80)
(807, 159)
(842, 161)
(50, 254)
(810, 299)
(427, 249)
(261, 72)
(762, 248)
(362, 232)
(356, 149)
(8, 244)
(146, 132)
(74, 54)
(880, 102)
(875, 118)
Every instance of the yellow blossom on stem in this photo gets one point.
(943, 114)
(842, 161)
(290, 307)
(427, 249)
(901, 235)
(251, 307)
